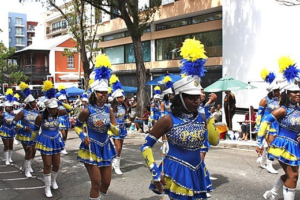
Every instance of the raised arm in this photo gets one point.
(83, 117)
(261, 110)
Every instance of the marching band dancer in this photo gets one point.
(64, 120)
(7, 130)
(285, 146)
(96, 150)
(165, 105)
(266, 106)
(119, 109)
(184, 175)
(49, 141)
(27, 116)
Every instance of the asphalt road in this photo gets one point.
(238, 176)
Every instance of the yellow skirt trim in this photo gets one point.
(86, 155)
(23, 138)
(177, 189)
(282, 152)
(42, 147)
(61, 125)
(4, 134)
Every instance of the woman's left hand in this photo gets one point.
(99, 123)
(212, 98)
(159, 185)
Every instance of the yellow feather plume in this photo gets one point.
(157, 88)
(109, 90)
(47, 86)
(102, 60)
(264, 73)
(61, 87)
(183, 75)
(91, 81)
(192, 50)
(9, 91)
(284, 63)
(113, 79)
(167, 79)
(23, 86)
(17, 96)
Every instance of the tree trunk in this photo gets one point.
(141, 75)
(86, 69)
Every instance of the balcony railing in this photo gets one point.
(29, 39)
(20, 45)
(19, 24)
(20, 34)
(31, 30)
(55, 30)
(36, 69)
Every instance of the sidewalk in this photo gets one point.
(228, 144)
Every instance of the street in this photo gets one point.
(237, 174)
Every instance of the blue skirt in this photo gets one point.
(184, 181)
(49, 145)
(285, 148)
(273, 130)
(7, 132)
(64, 123)
(123, 133)
(100, 154)
(23, 136)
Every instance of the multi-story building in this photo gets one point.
(173, 23)
(30, 31)
(17, 23)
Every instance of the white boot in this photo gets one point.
(47, 181)
(116, 165)
(27, 168)
(53, 180)
(64, 152)
(289, 193)
(273, 193)
(10, 152)
(270, 168)
(6, 157)
(30, 168)
(264, 158)
(97, 198)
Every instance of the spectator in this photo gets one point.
(132, 105)
(247, 122)
(144, 119)
(229, 106)
(215, 114)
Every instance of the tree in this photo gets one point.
(136, 20)
(9, 72)
(80, 25)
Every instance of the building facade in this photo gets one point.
(173, 23)
(17, 23)
(30, 31)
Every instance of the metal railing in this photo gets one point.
(36, 69)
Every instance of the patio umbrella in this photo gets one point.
(228, 84)
(128, 89)
(160, 80)
(74, 91)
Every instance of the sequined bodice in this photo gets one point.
(120, 115)
(187, 133)
(292, 119)
(29, 117)
(168, 106)
(51, 124)
(98, 113)
(272, 105)
(8, 117)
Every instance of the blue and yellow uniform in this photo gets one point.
(155, 112)
(120, 118)
(49, 141)
(28, 120)
(272, 104)
(167, 110)
(7, 130)
(285, 147)
(184, 171)
(101, 149)
(64, 120)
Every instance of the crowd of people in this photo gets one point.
(181, 116)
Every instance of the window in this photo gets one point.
(19, 41)
(98, 16)
(9, 29)
(115, 12)
(114, 36)
(168, 48)
(10, 39)
(189, 21)
(129, 52)
(19, 21)
(115, 54)
(71, 62)
(19, 31)
(125, 53)
(9, 19)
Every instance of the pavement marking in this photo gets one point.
(27, 188)
(16, 179)
(8, 172)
